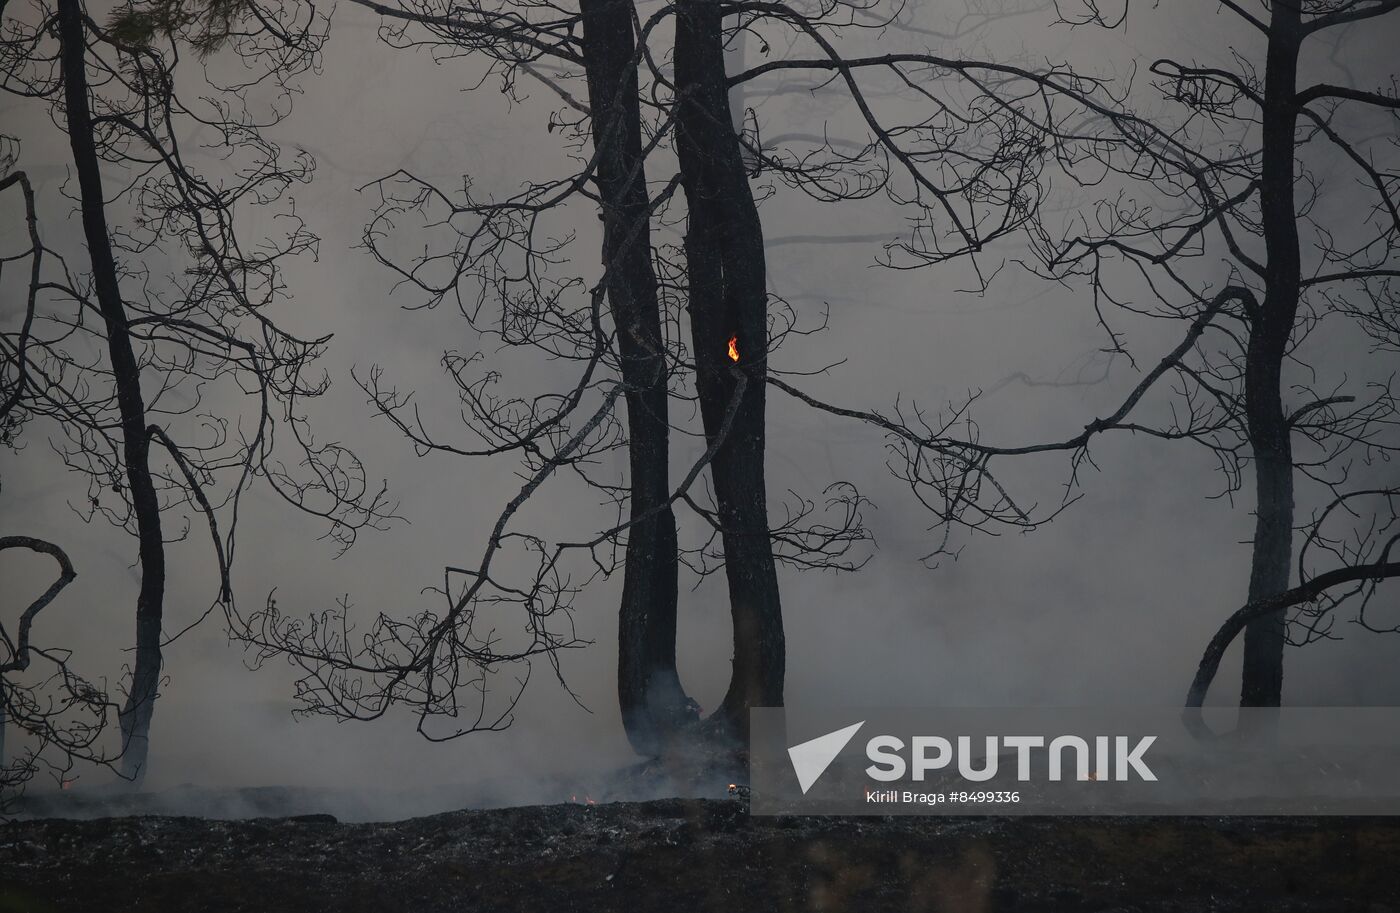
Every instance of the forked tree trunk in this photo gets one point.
(126, 376)
(1270, 330)
(729, 299)
(652, 701)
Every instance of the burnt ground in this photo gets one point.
(690, 855)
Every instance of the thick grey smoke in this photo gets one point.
(1111, 603)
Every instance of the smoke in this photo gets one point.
(1111, 603)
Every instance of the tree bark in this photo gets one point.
(650, 695)
(126, 375)
(1271, 328)
(729, 300)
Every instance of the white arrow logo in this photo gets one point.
(811, 759)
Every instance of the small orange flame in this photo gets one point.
(734, 349)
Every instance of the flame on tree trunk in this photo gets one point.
(728, 305)
(728, 313)
(126, 376)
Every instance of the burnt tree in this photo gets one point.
(1251, 166)
(1230, 164)
(728, 309)
(134, 420)
(660, 152)
(126, 379)
(1270, 329)
(650, 694)
(59, 716)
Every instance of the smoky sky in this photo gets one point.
(1110, 603)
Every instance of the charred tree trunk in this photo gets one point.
(126, 376)
(649, 690)
(729, 300)
(1270, 330)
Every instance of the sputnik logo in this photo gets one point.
(810, 759)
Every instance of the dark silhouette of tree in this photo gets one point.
(58, 714)
(1237, 177)
(728, 309)
(121, 360)
(649, 689)
(1237, 168)
(126, 383)
(1315, 590)
(667, 154)
(538, 312)
(657, 143)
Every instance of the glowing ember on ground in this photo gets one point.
(734, 349)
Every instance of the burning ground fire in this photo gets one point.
(734, 349)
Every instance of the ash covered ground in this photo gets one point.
(699, 854)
